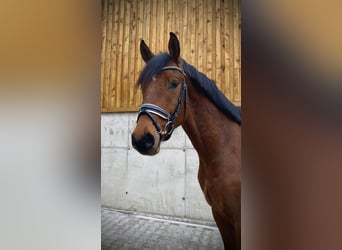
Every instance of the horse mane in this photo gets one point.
(209, 88)
(201, 82)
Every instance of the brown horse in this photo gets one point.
(175, 93)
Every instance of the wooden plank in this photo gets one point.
(218, 45)
(125, 56)
(119, 54)
(206, 38)
(227, 79)
(231, 50)
(200, 43)
(223, 50)
(107, 57)
(147, 16)
(236, 32)
(161, 20)
(113, 58)
(175, 19)
(169, 20)
(137, 57)
(103, 51)
(152, 28)
(237, 51)
(157, 19)
(183, 39)
(193, 29)
(132, 47)
(209, 34)
(135, 39)
(237, 79)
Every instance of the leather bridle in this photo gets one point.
(149, 109)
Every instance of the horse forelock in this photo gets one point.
(153, 67)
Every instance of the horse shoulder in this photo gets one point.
(221, 186)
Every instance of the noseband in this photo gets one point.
(149, 109)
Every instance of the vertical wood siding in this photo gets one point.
(209, 35)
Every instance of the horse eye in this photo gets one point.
(173, 85)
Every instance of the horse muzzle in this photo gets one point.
(146, 145)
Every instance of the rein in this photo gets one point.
(149, 109)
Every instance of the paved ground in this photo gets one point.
(127, 230)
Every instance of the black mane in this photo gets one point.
(201, 82)
(153, 67)
(209, 88)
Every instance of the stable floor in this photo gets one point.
(130, 230)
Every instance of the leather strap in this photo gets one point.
(149, 109)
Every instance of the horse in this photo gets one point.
(176, 94)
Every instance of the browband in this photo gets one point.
(174, 68)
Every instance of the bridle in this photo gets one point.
(149, 109)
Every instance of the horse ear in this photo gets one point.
(174, 48)
(145, 51)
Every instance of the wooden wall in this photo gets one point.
(209, 35)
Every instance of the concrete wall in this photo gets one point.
(163, 184)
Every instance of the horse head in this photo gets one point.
(164, 91)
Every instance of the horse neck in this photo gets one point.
(209, 130)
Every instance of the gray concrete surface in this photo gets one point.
(131, 230)
(162, 184)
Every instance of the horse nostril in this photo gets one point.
(148, 141)
(144, 144)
